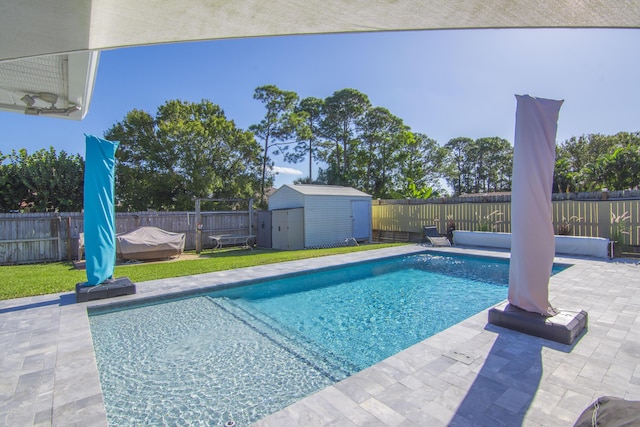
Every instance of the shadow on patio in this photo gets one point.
(508, 381)
(62, 300)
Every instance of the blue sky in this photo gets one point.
(445, 84)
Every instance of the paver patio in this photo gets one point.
(471, 374)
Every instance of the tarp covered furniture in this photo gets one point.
(146, 243)
(610, 411)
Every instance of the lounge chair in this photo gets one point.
(432, 236)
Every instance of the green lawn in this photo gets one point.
(39, 279)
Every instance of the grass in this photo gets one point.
(40, 279)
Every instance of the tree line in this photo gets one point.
(358, 144)
(593, 162)
(189, 150)
(44, 181)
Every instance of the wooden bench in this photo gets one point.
(233, 239)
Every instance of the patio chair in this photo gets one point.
(432, 236)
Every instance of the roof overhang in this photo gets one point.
(73, 31)
(52, 85)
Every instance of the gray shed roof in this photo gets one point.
(324, 190)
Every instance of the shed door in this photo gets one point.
(263, 235)
(280, 230)
(287, 229)
(361, 211)
(295, 222)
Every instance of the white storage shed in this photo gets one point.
(331, 214)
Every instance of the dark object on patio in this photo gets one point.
(432, 236)
(451, 227)
(146, 243)
(611, 412)
(564, 327)
(107, 289)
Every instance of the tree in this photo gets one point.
(377, 157)
(479, 166)
(422, 160)
(13, 192)
(458, 173)
(277, 126)
(412, 191)
(363, 146)
(493, 158)
(45, 181)
(341, 112)
(144, 169)
(618, 170)
(187, 151)
(591, 162)
(309, 118)
(623, 167)
(564, 179)
(586, 149)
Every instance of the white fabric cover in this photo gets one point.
(532, 239)
(580, 245)
(488, 239)
(146, 243)
(568, 245)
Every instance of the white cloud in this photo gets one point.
(286, 171)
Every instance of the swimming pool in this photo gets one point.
(246, 352)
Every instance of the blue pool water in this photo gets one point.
(246, 352)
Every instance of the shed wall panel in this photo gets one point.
(328, 220)
(286, 198)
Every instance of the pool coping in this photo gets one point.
(49, 373)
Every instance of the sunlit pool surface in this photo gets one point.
(246, 352)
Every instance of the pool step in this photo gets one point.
(330, 365)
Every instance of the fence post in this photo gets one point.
(250, 216)
(69, 258)
(198, 228)
(604, 219)
(59, 229)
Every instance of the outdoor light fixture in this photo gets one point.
(34, 111)
(28, 99)
(49, 98)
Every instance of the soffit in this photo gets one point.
(66, 78)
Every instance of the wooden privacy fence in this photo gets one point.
(45, 237)
(26, 238)
(403, 220)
